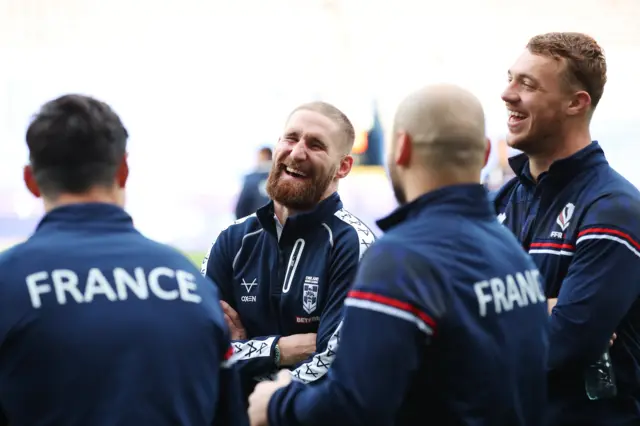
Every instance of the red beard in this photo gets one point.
(300, 194)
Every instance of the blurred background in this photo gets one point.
(202, 85)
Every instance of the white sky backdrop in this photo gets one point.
(201, 83)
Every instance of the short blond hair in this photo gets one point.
(334, 114)
(586, 65)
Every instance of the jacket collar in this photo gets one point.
(467, 200)
(98, 215)
(299, 223)
(563, 170)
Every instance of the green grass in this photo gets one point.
(196, 257)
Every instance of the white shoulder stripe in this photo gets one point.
(608, 237)
(551, 251)
(205, 261)
(235, 258)
(365, 235)
(391, 311)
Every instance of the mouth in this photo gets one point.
(294, 173)
(516, 117)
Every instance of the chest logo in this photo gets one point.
(565, 215)
(249, 286)
(310, 294)
(502, 217)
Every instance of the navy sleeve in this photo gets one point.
(256, 356)
(601, 284)
(217, 265)
(346, 256)
(389, 322)
(231, 406)
(245, 199)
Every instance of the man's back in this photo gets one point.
(485, 364)
(101, 326)
(446, 320)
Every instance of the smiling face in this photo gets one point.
(536, 98)
(309, 159)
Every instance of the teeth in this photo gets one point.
(298, 172)
(516, 114)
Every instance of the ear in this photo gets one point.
(345, 167)
(30, 181)
(580, 104)
(123, 172)
(487, 153)
(403, 149)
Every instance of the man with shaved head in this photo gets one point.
(446, 319)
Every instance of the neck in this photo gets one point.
(563, 147)
(95, 195)
(423, 182)
(283, 212)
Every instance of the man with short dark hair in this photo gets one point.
(580, 221)
(446, 319)
(254, 188)
(284, 272)
(100, 325)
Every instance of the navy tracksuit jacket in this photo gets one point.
(581, 224)
(446, 324)
(102, 326)
(288, 280)
(253, 194)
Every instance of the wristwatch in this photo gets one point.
(276, 355)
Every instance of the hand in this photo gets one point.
(296, 348)
(613, 339)
(551, 303)
(259, 399)
(233, 322)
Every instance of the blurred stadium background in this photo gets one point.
(201, 84)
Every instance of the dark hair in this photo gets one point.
(75, 143)
(585, 60)
(267, 152)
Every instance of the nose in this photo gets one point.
(299, 152)
(509, 95)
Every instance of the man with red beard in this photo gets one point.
(580, 221)
(284, 271)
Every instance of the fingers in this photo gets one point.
(284, 376)
(228, 321)
(231, 313)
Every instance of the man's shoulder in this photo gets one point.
(243, 226)
(503, 194)
(610, 183)
(57, 246)
(8, 257)
(615, 203)
(348, 229)
(62, 252)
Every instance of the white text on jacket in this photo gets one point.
(162, 282)
(517, 290)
